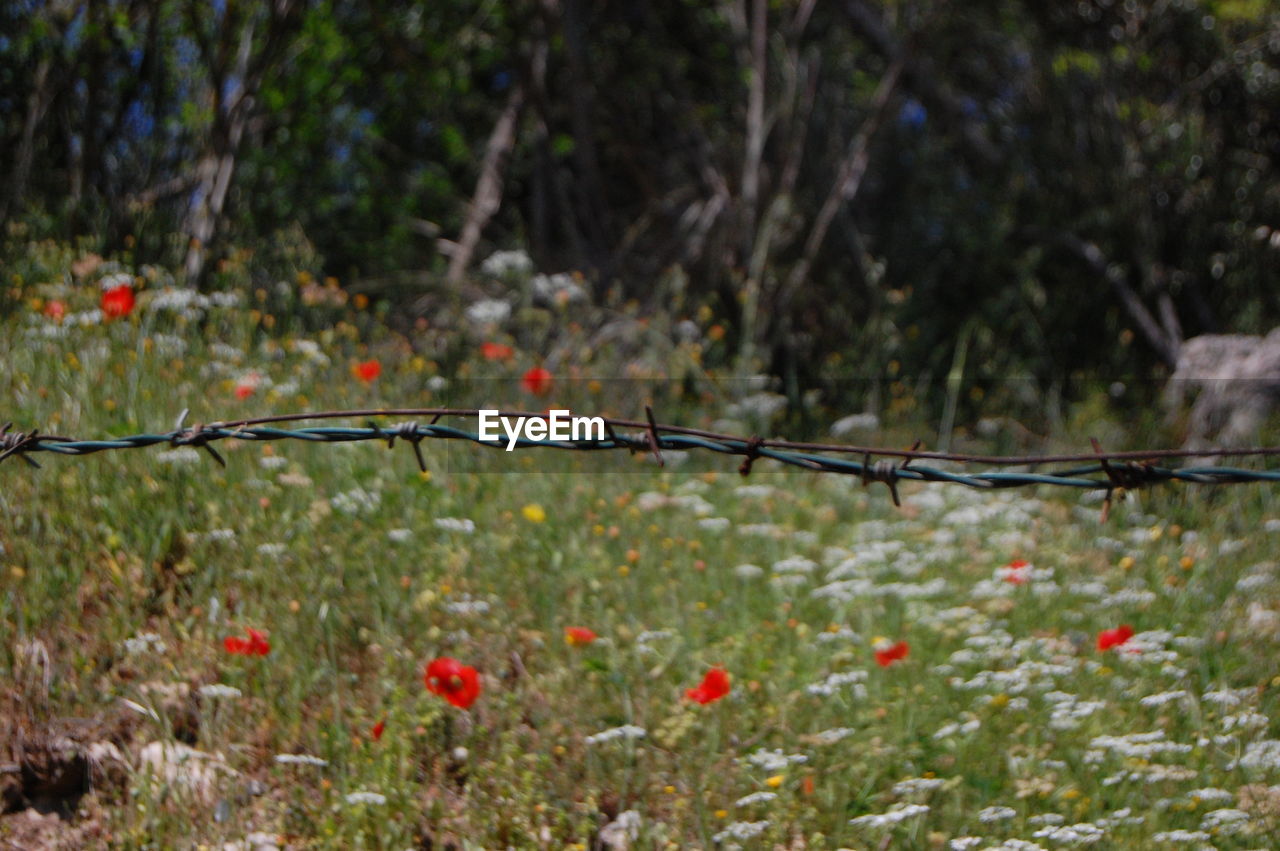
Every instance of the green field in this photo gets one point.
(1004, 726)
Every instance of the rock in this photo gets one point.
(183, 767)
(1235, 379)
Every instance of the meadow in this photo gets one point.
(320, 646)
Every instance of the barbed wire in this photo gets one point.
(1110, 472)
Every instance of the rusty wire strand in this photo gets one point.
(1110, 472)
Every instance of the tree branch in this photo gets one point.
(1165, 343)
(847, 183)
(488, 194)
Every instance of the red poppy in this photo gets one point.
(1109, 638)
(117, 302)
(255, 645)
(55, 310)
(376, 732)
(714, 685)
(367, 370)
(496, 351)
(578, 636)
(537, 381)
(244, 391)
(1014, 572)
(890, 653)
(455, 682)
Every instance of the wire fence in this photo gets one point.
(1112, 473)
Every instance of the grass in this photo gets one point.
(124, 572)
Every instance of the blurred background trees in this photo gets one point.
(857, 193)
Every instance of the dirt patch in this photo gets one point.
(50, 765)
(31, 829)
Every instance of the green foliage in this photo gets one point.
(1058, 177)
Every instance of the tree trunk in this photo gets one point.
(37, 105)
(488, 195)
(848, 181)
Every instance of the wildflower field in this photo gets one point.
(321, 646)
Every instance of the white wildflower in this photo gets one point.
(558, 289)
(741, 830)
(1139, 745)
(1083, 833)
(755, 798)
(795, 564)
(714, 525)
(627, 731)
(833, 735)
(1225, 821)
(1120, 818)
(501, 264)
(890, 817)
(465, 605)
(836, 682)
(1047, 818)
(489, 311)
(841, 634)
(144, 642)
(957, 728)
(356, 501)
(1263, 755)
(773, 761)
(464, 525)
(300, 759)
(1162, 698)
(1181, 837)
(1227, 698)
(964, 843)
(1210, 795)
(619, 834)
(367, 798)
(1245, 721)
(918, 784)
(309, 349)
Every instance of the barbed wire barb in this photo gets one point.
(195, 436)
(752, 451)
(15, 443)
(410, 432)
(886, 471)
(653, 437)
